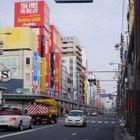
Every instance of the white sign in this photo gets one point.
(5, 75)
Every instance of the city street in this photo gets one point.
(99, 127)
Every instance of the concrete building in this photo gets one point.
(65, 83)
(72, 59)
(20, 63)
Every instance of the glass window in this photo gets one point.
(27, 76)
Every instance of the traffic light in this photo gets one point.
(92, 81)
(122, 38)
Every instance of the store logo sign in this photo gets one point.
(5, 75)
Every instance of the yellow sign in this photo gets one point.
(20, 38)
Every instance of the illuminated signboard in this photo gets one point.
(34, 13)
(35, 71)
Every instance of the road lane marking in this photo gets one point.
(96, 129)
(27, 131)
(74, 134)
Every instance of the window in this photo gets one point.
(64, 47)
(27, 77)
(71, 67)
(28, 60)
(71, 61)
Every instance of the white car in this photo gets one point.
(94, 113)
(75, 118)
(10, 119)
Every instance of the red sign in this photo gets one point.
(35, 87)
(31, 14)
(131, 104)
(57, 72)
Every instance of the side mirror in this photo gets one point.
(66, 115)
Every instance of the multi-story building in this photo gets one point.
(19, 57)
(65, 83)
(72, 59)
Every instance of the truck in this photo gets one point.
(43, 110)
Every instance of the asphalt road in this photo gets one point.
(99, 127)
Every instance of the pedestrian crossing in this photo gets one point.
(106, 122)
(96, 121)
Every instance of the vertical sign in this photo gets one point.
(57, 72)
(47, 56)
(35, 71)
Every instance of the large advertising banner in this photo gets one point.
(55, 38)
(57, 73)
(33, 13)
(43, 78)
(20, 38)
(35, 71)
(10, 63)
(47, 56)
(51, 43)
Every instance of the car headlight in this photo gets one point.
(81, 118)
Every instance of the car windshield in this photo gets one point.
(10, 113)
(75, 113)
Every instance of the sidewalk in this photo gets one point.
(119, 135)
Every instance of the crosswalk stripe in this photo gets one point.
(90, 121)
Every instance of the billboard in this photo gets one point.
(20, 38)
(47, 56)
(55, 38)
(10, 63)
(35, 71)
(32, 14)
(43, 78)
(57, 72)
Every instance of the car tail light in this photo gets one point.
(12, 119)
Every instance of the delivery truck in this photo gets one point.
(43, 110)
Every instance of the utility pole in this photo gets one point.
(137, 65)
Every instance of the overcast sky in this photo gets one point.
(97, 26)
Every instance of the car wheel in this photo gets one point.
(31, 125)
(55, 120)
(65, 125)
(20, 127)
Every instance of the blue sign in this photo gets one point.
(35, 66)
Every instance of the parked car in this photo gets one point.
(75, 118)
(9, 108)
(88, 113)
(15, 119)
(94, 113)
